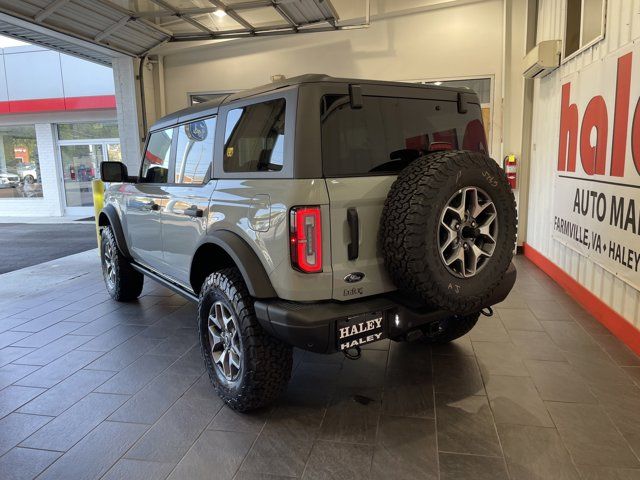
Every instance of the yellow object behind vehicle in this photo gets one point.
(98, 202)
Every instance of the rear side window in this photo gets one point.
(387, 133)
(155, 165)
(254, 138)
(194, 152)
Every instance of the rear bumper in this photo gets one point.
(312, 326)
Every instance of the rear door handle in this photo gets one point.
(354, 233)
(193, 211)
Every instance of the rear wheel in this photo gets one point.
(247, 367)
(122, 281)
(448, 230)
(29, 179)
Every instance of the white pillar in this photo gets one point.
(50, 172)
(124, 76)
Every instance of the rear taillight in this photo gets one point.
(305, 228)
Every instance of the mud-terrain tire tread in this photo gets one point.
(129, 282)
(402, 238)
(267, 361)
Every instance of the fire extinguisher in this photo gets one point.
(510, 166)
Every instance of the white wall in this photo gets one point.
(623, 27)
(450, 42)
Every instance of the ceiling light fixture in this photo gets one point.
(220, 13)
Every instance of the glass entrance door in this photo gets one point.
(80, 165)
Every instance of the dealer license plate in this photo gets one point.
(360, 330)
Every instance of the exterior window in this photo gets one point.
(254, 138)
(83, 147)
(19, 165)
(87, 131)
(155, 165)
(584, 24)
(388, 133)
(195, 151)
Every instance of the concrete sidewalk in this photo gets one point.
(47, 220)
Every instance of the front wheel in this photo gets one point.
(122, 281)
(247, 367)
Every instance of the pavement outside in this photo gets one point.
(92, 388)
(23, 245)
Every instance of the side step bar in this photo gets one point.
(173, 286)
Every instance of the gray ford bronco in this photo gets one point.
(318, 213)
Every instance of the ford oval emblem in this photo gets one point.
(354, 277)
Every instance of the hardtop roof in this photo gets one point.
(211, 107)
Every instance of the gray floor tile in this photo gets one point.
(10, 354)
(225, 450)
(489, 329)
(11, 323)
(460, 346)
(413, 356)
(408, 394)
(172, 436)
(53, 350)
(548, 310)
(600, 473)
(11, 373)
(558, 381)
(45, 321)
(125, 354)
(244, 475)
(472, 467)
(15, 427)
(465, 425)
(535, 453)
(63, 395)
(126, 469)
(59, 369)
(536, 346)
(14, 396)
(68, 428)
(9, 338)
(590, 324)
(191, 363)
(499, 358)
(590, 436)
(25, 463)
(518, 319)
(366, 372)
(459, 375)
(339, 460)
(150, 403)
(112, 338)
(620, 353)
(96, 453)
(176, 345)
(352, 416)
(568, 335)
(515, 400)
(231, 421)
(48, 335)
(597, 368)
(633, 373)
(405, 448)
(136, 375)
(316, 376)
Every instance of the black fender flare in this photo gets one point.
(109, 216)
(247, 261)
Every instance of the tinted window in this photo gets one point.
(254, 139)
(387, 133)
(195, 151)
(155, 165)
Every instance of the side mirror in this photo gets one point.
(113, 172)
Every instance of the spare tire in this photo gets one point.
(448, 230)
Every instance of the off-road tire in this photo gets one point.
(266, 362)
(29, 179)
(128, 283)
(408, 235)
(452, 328)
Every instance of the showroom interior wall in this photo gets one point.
(622, 30)
(450, 42)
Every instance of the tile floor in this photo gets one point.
(90, 388)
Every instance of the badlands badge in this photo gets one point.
(360, 330)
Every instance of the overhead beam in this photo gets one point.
(186, 18)
(134, 15)
(231, 12)
(112, 29)
(45, 12)
(284, 14)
